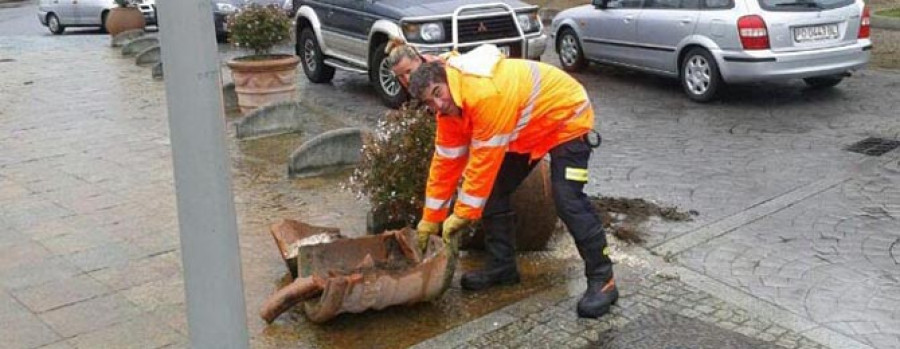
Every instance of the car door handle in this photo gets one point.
(629, 18)
(686, 20)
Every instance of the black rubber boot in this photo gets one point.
(500, 243)
(601, 292)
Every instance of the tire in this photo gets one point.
(392, 94)
(571, 56)
(312, 59)
(53, 24)
(103, 22)
(699, 75)
(823, 81)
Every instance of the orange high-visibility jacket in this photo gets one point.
(523, 107)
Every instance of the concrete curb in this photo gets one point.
(157, 72)
(327, 153)
(280, 118)
(148, 56)
(126, 36)
(140, 44)
(885, 22)
(229, 97)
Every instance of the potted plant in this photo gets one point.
(122, 18)
(262, 78)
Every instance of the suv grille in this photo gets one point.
(487, 28)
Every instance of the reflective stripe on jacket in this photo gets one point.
(524, 107)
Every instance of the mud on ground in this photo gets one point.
(626, 217)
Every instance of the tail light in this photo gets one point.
(753, 33)
(865, 24)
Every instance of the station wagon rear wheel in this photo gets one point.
(571, 57)
(700, 75)
(54, 25)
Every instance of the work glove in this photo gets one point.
(424, 230)
(453, 225)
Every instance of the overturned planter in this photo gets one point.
(329, 152)
(339, 275)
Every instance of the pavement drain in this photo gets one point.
(873, 146)
(663, 329)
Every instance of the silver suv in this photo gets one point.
(706, 43)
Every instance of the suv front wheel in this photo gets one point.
(389, 89)
(700, 75)
(312, 59)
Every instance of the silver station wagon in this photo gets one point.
(706, 43)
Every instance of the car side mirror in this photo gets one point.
(601, 4)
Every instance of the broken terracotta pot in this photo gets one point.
(342, 275)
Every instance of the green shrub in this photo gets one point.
(259, 28)
(394, 167)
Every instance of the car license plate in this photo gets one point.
(816, 33)
(504, 50)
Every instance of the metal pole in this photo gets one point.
(206, 215)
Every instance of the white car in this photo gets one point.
(57, 15)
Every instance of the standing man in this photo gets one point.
(492, 129)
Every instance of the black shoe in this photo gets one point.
(597, 299)
(482, 279)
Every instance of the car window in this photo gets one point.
(803, 5)
(718, 4)
(662, 4)
(690, 4)
(624, 4)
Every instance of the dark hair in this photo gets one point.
(427, 74)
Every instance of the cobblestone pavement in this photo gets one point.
(89, 245)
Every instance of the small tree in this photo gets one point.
(394, 167)
(259, 28)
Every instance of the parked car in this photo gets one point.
(223, 8)
(352, 35)
(57, 15)
(707, 43)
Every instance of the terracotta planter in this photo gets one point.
(261, 82)
(122, 19)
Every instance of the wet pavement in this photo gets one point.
(787, 217)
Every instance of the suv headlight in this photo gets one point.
(529, 22)
(428, 32)
(432, 32)
(225, 7)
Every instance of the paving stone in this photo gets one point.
(24, 252)
(154, 294)
(79, 241)
(114, 254)
(90, 315)
(21, 328)
(37, 273)
(142, 332)
(59, 293)
(138, 272)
